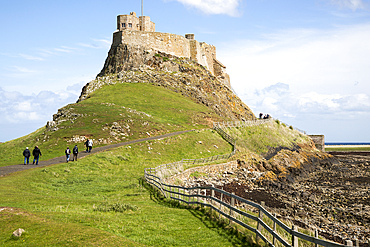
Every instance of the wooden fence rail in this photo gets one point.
(204, 196)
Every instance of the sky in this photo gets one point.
(305, 63)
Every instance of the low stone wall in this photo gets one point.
(319, 141)
(210, 169)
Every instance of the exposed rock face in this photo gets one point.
(321, 191)
(135, 64)
(125, 57)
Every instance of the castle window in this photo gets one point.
(130, 25)
(123, 24)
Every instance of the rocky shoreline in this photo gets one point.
(331, 195)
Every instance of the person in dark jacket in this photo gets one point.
(75, 153)
(26, 154)
(36, 155)
(87, 145)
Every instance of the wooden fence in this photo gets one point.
(234, 208)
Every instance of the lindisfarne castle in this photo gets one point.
(139, 54)
(140, 31)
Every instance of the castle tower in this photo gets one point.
(132, 22)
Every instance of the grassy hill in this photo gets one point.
(100, 200)
(114, 113)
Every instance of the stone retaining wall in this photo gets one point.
(209, 169)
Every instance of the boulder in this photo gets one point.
(18, 232)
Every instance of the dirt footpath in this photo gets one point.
(5, 170)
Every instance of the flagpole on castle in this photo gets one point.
(142, 8)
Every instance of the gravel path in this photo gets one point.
(5, 170)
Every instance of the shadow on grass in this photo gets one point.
(205, 215)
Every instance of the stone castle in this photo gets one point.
(140, 31)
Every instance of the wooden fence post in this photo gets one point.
(316, 236)
(188, 196)
(212, 194)
(231, 214)
(294, 238)
(259, 226)
(274, 228)
(221, 196)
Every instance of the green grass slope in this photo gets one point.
(114, 113)
(98, 200)
(262, 138)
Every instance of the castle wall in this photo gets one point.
(173, 44)
(208, 53)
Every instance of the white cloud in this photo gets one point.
(19, 72)
(18, 108)
(63, 49)
(23, 114)
(331, 61)
(30, 57)
(97, 44)
(351, 4)
(19, 69)
(23, 106)
(227, 7)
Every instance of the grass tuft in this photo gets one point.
(115, 207)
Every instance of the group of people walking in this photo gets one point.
(266, 116)
(74, 152)
(37, 153)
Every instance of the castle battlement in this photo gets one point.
(140, 31)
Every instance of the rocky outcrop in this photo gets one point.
(125, 57)
(320, 191)
(135, 64)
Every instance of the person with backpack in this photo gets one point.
(89, 144)
(36, 154)
(26, 154)
(68, 153)
(75, 152)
